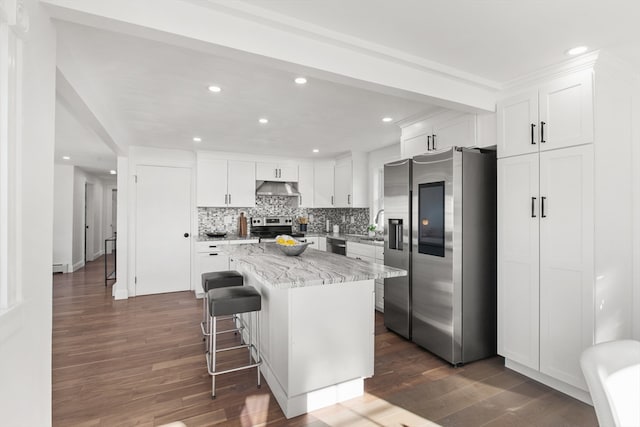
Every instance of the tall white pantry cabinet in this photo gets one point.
(565, 219)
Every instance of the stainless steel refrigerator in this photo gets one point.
(441, 227)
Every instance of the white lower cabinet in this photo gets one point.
(209, 257)
(322, 244)
(546, 260)
(372, 254)
(313, 242)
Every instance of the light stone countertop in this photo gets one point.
(267, 263)
(205, 238)
(365, 240)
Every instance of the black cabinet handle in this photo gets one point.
(212, 246)
(533, 207)
(225, 199)
(213, 254)
(544, 215)
(332, 200)
(229, 198)
(433, 142)
(542, 132)
(533, 129)
(428, 142)
(348, 199)
(186, 234)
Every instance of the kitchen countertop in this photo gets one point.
(270, 266)
(347, 237)
(365, 240)
(205, 238)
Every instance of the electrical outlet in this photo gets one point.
(227, 219)
(353, 219)
(343, 218)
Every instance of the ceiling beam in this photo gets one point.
(214, 27)
(75, 93)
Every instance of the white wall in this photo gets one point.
(107, 204)
(63, 215)
(120, 288)
(377, 159)
(25, 331)
(635, 144)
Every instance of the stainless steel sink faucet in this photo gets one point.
(378, 216)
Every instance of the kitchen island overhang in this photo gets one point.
(317, 322)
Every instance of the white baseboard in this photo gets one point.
(78, 265)
(119, 292)
(561, 386)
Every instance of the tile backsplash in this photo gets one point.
(210, 219)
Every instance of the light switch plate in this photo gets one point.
(227, 219)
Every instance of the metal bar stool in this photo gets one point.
(234, 300)
(214, 280)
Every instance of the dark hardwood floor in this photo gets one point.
(141, 362)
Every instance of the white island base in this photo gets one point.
(317, 342)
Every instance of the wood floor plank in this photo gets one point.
(141, 362)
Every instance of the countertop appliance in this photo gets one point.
(336, 245)
(441, 227)
(267, 228)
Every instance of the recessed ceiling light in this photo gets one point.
(387, 119)
(197, 139)
(214, 89)
(263, 120)
(576, 50)
(66, 158)
(300, 80)
(315, 150)
(112, 172)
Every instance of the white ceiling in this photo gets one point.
(157, 92)
(498, 40)
(76, 140)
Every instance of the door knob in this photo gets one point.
(186, 234)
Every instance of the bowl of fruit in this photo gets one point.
(290, 246)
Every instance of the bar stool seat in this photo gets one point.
(234, 300)
(220, 279)
(214, 280)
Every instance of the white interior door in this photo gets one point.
(566, 261)
(163, 217)
(518, 259)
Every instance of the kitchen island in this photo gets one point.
(317, 322)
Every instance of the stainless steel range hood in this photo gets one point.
(274, 188)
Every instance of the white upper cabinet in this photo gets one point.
(459, 131)
(276, 172)
(566, 111)
(305, 185)
(241, 184)
(211, 182)
(323, 184)
(554, 115)
(343, 184)
(351, 184)
(225, 182)
(440, 131)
